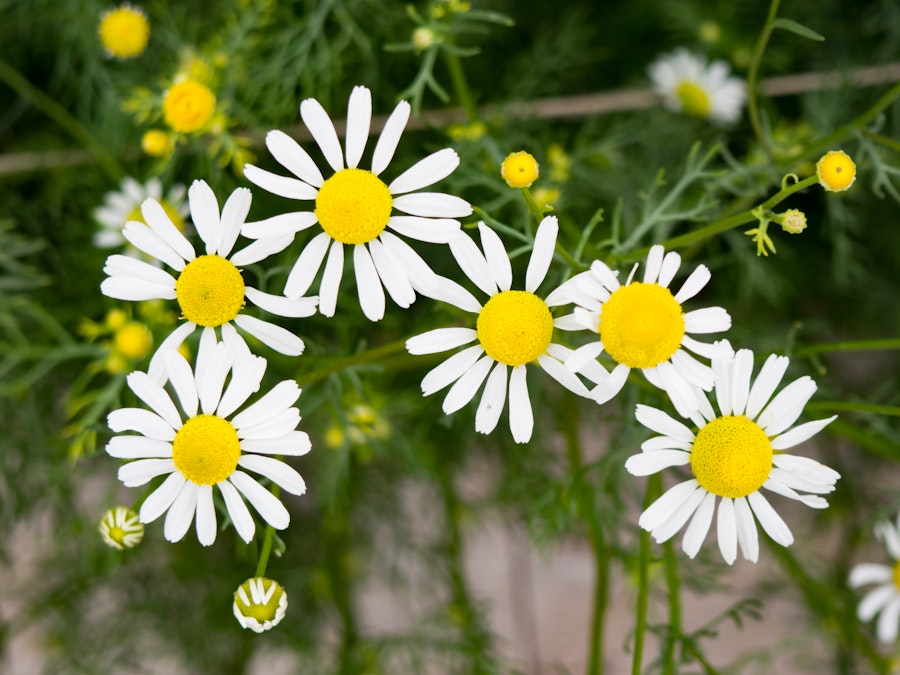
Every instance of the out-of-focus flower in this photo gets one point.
(259, 604)
(188, 106)
(124, 31)
(687, 84)
(124, 204)
(121, 528)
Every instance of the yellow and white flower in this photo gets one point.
(207, 445)
(354, 207)
(259, 604)
(121, 528)
(641, 324)
(209, 288)
(513, 329)
(731, 456)
(884, 599)
(124, 204)
(687, 84)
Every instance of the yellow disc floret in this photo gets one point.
(515, 327)
(188, 106)
(731, 456)
(210, 291)
(641, 325)
(124, 31)
(694, 99)
(519, 170)
(353, 206)
(896, 574)
(133, 341)
(836, 171)
(206, 449)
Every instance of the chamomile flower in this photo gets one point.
(121, 528)
(513, 328)
(259, 604)
(209, 288)
(884, 599)
(731, 456)
(687, 84)
(354, 207)
(207, 445)
(641, 324)
(124, 204)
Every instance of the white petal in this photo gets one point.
(722, 369)
(610, 386)
(693, 284)
(331, 279)
(307, 266)
(205, 213)
(433, 205)
(583, 355)
(748, 537)
(279, 185)
(648, 463)
(555, 369)
(277, 427)
(870, 573)
(606, 277)
(447, 290)
(151, 393)
(206, 516)
(808, 467)
(707, 320)
(660, 510)
(741, 371)
(440, 340)
(280, 339)
(181, 513)
(421, 276)
(801, 481)
(161, 498)
(693, 371)
(785, 408)
(234, 213)
(138, 447)
(496, 257)
(679, 516)
(281, 397)
(126, 266)
(276, 471)
(280, 305)
(473, 263)
(664, 443)
(771, 522)
(157, 369)
(670, 264)
(368, 285)
(874, 601)
(390, 136)
(144, 239)
(280, 225)
(465, 388)
(246, 377)
(294, 444)
(654, 263)
(812, 501)
(726, 530)
(159, 221)
(359, 117)
(128, 288)
(800, 433)
(211, 381)
(142, 421)
(720, 349)
(319, 124)
(265, 503)
(888, 621)
(541, 253)
(432, 230)
(699, 527)
(521, 417)
(142, 471)
(492, 400)
(661, 423)
(425, 172)
(766, 383)
(684, 396)
(237, 511)
(182, 378)
(392, 275)
(293, 157)
(450, 370)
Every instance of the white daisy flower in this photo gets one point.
(125, 204)
(687, 84)
(209, 445)
(642, 325)
(884, 599)
(513, 329)
(732, 456)
(355, 206)
(209, 288)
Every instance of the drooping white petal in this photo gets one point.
(237, 511)
(421, 276)
(654, 263)
(684, 395)
(496, 257)
(208, 343)
(726, 530)
(611, 385)
(741, 371)
(278, 399)
(521, 417)
(395, 281)
(698, 529)
(142, 471)
(161, 498)
(473, 263)
(465, 388)
(766, 383)
(126, 266)
(812, 501)
(800, 433)
(331, 279)
(276, 471)
(440, 340)
(246, 377)
(447, 290)
(138, 447)
(541, 253)
(359, 118)
(151, 393)
(157, 368)
(693, 371)
(887, 625)
(282, 186)
(307, 266)
(181, 513)
(281, 305)
(142, 421)
(771, 522)
(425, 172)
(281, 225)
(678, 517)
(660, 510)
(234, 341)
(182, 378)
(265, 503)
(206, 516)
(433, 205)
(368, 285)
(319, 124)
(670, 264)
(432, 230)
(661, 423)
(707, 320)
(808, 467)
(801, 481)
(870, 573)
(693, 284)
(280, 339)
(874, 601)
(555, 369)
(293, 157)
(451, 369)
(719, 350)
(648, 463)
(158, 221)
(390, 136)
(205, 213)
(211, 381)
(748, 538)
(129, 288)
(492, 400)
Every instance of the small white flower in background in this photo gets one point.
(354, 207)
(210, 288)
(125, 204)
(513, 329)
(640, 324)
(121, 528)
(731, 457)
(884, 599)
(259, 604)
(687, 84)
(209, 444)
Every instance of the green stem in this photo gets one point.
(461, 86)
(654, 484)
(847, 346)
(753, 78)
(14, 80)
(673, 581)
(536, 210)
(266, 551)
(368, 356)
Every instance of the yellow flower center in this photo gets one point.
(206, 449)
(124, 31)
(257, 610)
(133, 341)
(188, 106)
(519, 170)
(170, 210)
(641, 325)
(353, 206)
(731, 456)
(836, 171)
(897, 574)
(210, 291)
(694, 99)
(515, 327)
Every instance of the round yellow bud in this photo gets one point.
(124, 31)
(188, 106)
(519, 169)
(156, 143)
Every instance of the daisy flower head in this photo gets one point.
(641, 324)
(209, 288)
(207, 444)
(124, 204)
(884, 598)
(124, 31)
(354, 207)
(687, 84)
(259, 604)
(121, 528)
(512, 329)
(731, 456)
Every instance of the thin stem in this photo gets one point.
(533, 207)
(654, 484)
(753, 77)
(266, 551)
(461, 86)
(847, 346)
(673, 581)
(368, 356)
